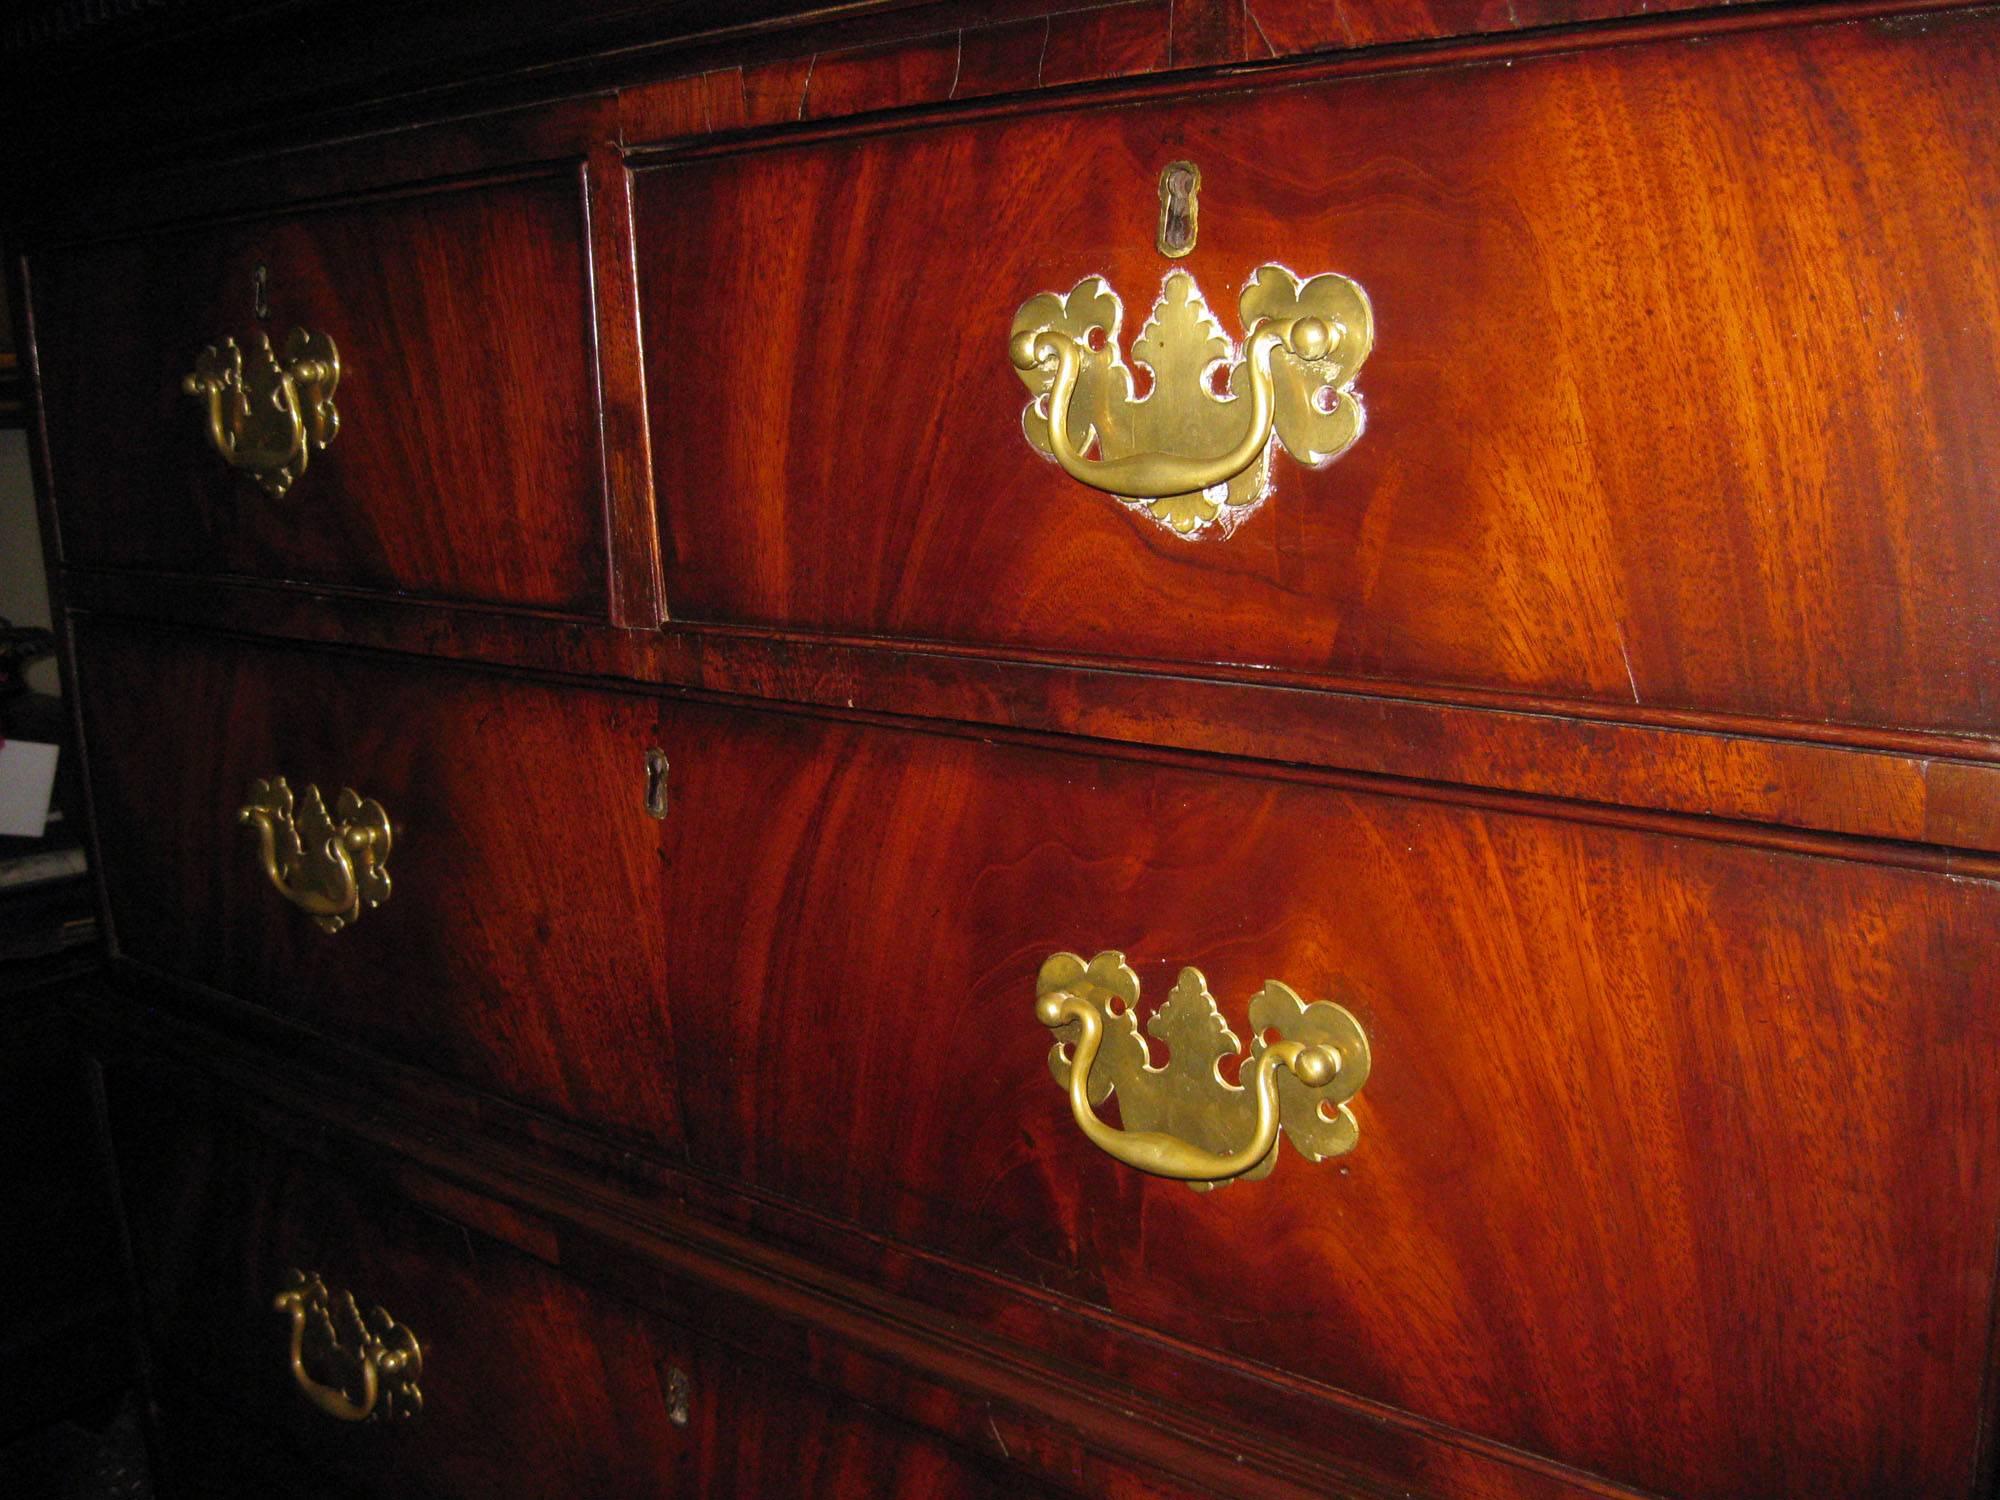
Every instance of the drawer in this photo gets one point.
(1673, 401)
(514, 949)
(1676, 1163)
(530, 1384)
(466, 463)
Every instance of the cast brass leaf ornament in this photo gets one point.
(1182, 1119)
(331, 865)
(268, 415)
(1194, 452)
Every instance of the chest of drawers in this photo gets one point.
(1154, 749)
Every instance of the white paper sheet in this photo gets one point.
(27, 776)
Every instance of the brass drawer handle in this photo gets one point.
(379, 1361)
(266, 416)
(1182, 1120)
(331, 866)
(1303, 347)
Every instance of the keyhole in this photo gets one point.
(656, 783)
(260, 281)
(1180, 184)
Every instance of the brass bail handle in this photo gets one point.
(1154, 476)
(267, 415)
(386, 1358)
(1182, 1120)
(330, 865)
(1166, 1155)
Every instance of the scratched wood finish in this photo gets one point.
(508, 954)
(468, 463)
(1625, 1194)
(1672, 402)
(532, 1385)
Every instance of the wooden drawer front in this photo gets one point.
(1675, 398)
(513, 951)
(532, 1385)
(529, 1386)
(1638, 1184)
(467, 464)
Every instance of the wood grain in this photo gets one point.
(952, 1349)
(492, 961)
(1626, 1194)
(1653, 418)
(1723, 778)
(465, 328)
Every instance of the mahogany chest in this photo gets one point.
(915, 749)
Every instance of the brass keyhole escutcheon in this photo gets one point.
(656, 783)
(1180, 186)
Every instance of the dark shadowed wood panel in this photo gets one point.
(1685, 394)
(510, 953)
(1639, 1185)
(756, 1432)
(533, 1385)
(468, 462)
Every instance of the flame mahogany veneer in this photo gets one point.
(1612, 730)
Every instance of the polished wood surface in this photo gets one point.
(1918, 799)
(1610, 729)
(1613, 1073)
(507, 954)
(464, 323)
(1671, 405)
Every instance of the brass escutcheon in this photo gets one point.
(331, 866)
(1182, 1120)
(266, 416)
(1194, 451)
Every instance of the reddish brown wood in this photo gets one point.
(1210, 31)
(1078, 1424)
(637, 597)
(490, 962)
(1114, 42)
(463, 320)
(1615, 720)
(1001, 59)
(846, 83)
(1912, 789)
(1623, 508)
(1675, 1032)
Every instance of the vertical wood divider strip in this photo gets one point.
(638, 594)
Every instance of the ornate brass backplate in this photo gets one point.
(1183, 1120)
(266, 416)
(332, 866)
(350, 1367)
(1188, 457)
